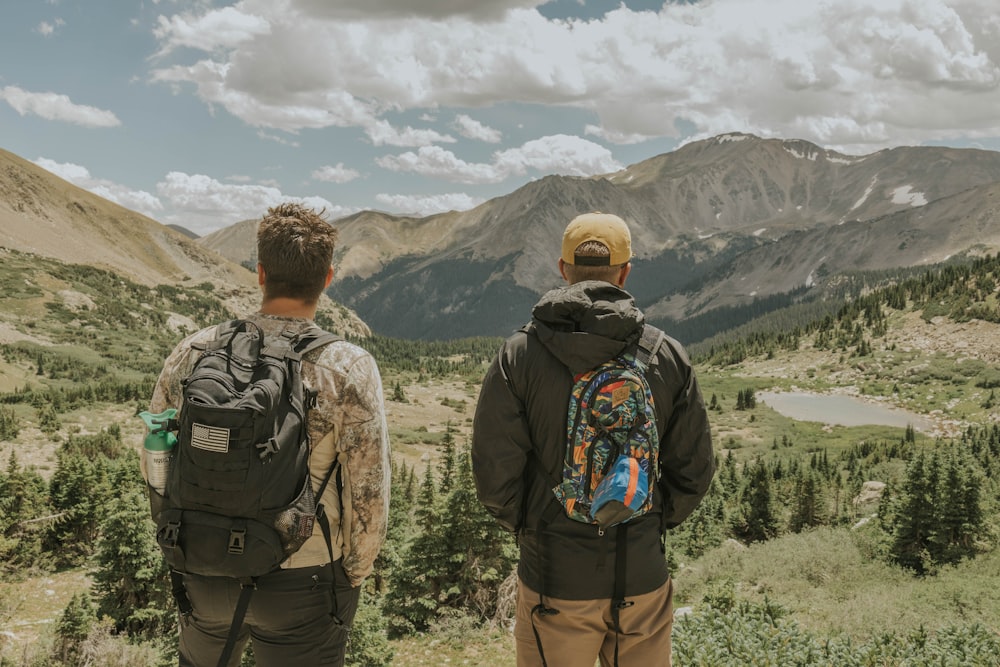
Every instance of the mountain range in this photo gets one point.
(716, 224)
(726, 223)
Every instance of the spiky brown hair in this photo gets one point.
(295, 246)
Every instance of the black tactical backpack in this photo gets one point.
(239, 497)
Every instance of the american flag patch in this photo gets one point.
(210, 438)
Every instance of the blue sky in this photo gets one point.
(203, 113)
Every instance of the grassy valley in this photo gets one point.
(760, 578)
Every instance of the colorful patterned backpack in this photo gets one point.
(610, 467)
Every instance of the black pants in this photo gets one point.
(298, 616)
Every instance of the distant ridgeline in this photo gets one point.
(961, 290)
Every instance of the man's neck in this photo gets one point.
(285, 307)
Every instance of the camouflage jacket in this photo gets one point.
(348, 423)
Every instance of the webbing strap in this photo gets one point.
(180, 593)
(618, 601)
(313, 337)
(542, 610)
(303, 343)
(324, 523)
(649, 343)
(242, 605)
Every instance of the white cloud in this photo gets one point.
(562, 154)
(311, 109)
(383, 134)
(136, 200)
(216, 29)
(850, 74)
(46, 29)
(278, 139)
(613, 136)
(473, 129)
(202, 204)
(437, 162)
(336, 174)
(197, 202)
(423, 205)
(53, 106)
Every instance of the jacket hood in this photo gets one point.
(586, 324)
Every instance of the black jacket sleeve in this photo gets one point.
(501, 442)
(687, 461)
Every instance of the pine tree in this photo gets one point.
(80, 491)
(9, 426)
(410, 487)
(959, 515)
(807, 510)
(416, 589)
(48, 420)
(446, 462)
(131, 583)
(730, 477)
(456, 562)
(391, 553)
(913, 516)
(23, 501)
(705, 528)
(74, 626)
(755, 519)
(481, 554)
(397, 394)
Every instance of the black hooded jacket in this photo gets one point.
(520, 424)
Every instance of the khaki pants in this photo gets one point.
(583, 631)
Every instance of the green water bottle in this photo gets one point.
(158, 448)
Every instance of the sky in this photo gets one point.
(203, 113)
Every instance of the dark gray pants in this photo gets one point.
(298, 616)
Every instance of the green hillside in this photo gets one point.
(818, 544)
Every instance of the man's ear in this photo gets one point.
(260, 274)
(562, 269)
(623, 276)
(329, 278)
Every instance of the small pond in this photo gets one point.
(840, 410)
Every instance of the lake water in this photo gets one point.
(840, 410)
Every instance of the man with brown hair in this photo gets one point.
(586, 591)
(302, 613)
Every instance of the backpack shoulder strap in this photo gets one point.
(649, 345)
(313, 338)
(223, 332)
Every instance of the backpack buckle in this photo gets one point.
(265, 450)
(237, 540)
(169, 534)
(311, 398)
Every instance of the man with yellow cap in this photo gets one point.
(587, 591)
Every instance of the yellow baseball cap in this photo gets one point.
(602, 227)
